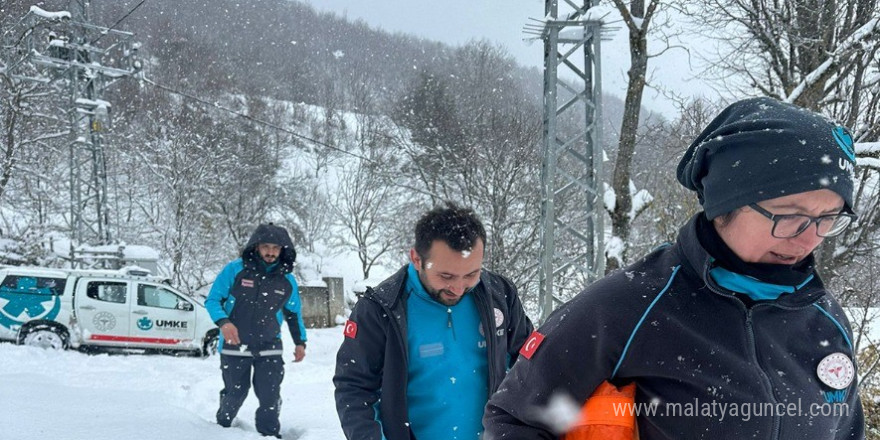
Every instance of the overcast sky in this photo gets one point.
(457, 21)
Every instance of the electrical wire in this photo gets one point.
(253, 119)
(218, 106)
(117, 22)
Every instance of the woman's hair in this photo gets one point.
(725, 219)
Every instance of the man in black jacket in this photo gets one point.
(425, 348)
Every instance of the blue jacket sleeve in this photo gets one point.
(293, 314)
(219, 294)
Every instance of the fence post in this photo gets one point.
(335, 299)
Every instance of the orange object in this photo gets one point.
(608, 414)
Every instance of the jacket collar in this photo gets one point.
(391, 291)
(700, 263)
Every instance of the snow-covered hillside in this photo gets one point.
(75, 396)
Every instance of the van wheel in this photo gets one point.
(209, 348)
(45, 336)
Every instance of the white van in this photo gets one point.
(62, 308)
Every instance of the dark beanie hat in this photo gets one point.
(761, 148)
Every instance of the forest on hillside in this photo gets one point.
(348, 133)
(266, 110)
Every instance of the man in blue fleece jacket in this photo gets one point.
(425, 348)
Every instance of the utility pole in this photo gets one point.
(572, 207)
(66, 47)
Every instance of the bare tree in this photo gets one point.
(247, 192)
(637, 20)
(798, 50)
(646, 20)
(33, 127)
(368, 199)
(673, 205)
(500, 169)
(365, 203)
(470, 136)
(164, 184)
(861, 292)
(178, 162)
(429, 132)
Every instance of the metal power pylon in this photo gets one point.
(572, 208)
(66, 48)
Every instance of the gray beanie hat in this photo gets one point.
(761, 148)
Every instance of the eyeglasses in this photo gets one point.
(792, 225)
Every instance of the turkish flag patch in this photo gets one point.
(531, 345)
(247, 283)
(351, 329)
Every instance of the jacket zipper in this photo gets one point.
(449, 322)
(777, 424)
(753, 344)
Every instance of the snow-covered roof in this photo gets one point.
(137, 252)
(128, 273)
(42, 272)
(50, 15)
(129, 252)
(94, 103)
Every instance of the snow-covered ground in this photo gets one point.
(75, 396)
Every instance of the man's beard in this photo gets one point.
(437, 295)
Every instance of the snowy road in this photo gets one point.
(74, 396)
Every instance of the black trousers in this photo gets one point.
(268, 371)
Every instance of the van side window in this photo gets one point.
(153, 296)
(33, 285)
(108, 291)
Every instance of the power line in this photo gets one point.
(253, 119)
(118, 21)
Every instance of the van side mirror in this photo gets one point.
(185, 306)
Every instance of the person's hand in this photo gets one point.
(230, 333)
(299, 353)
